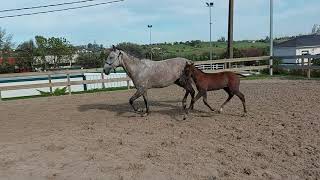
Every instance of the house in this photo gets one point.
(10, 60)
(65, 60)
(300, 45)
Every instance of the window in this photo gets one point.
(305, 52)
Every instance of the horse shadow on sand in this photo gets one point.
(172, 108)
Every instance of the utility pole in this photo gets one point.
(271, 38)
(230, 30)
(150, 26)
(210, 5)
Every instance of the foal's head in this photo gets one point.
(189, 70)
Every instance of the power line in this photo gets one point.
(45, 6)
(58, 10)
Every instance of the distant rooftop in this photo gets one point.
(301, 41)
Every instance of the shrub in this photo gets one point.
(56, 92)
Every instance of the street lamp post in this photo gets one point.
(271, 38)
(230, 32)
(150, 26)
(210, 5)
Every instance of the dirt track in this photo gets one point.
(97, 136)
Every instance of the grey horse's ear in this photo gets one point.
(114, 48)
(120, 53)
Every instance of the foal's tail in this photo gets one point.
(240, 75)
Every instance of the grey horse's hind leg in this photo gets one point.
(136, 96)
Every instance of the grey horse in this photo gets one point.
(147, 74)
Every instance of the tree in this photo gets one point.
(5, 51)
(90, 60)
(237, 53)
(95, 47)
(5, 41)
(222, 39)
(25, 55)
(315, 29)
(133, 49)
(60, 48)
(42, 50)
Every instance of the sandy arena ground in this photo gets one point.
(97, 136)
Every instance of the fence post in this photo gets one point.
(50, 84)
(69, 83)
(128, 84)
(102, 78)
(0, 96)
(84, 78)
(309, 70)
(271, 66)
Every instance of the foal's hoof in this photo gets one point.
(244, 115)
(184, 117)
(144, 114)
(139, 110)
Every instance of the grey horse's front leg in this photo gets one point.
(138, 93)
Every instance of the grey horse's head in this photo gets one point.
(113, 60)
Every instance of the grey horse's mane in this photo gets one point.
(130, 55)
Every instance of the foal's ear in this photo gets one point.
(120, 53)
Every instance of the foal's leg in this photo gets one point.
(198, 96)
(190, 89)
(230, 93)
(145, 98)
(184, 100)
(139, 93)
(243, 100)
(205, 101)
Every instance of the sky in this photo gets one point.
(172, 20)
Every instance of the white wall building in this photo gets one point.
(301, 45)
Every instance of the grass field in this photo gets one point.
(196, 50)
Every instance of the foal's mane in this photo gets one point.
(196, 69)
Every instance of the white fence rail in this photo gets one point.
(100, 80)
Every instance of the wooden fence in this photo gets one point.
(305, 64)
(208, 66)
(68, 83)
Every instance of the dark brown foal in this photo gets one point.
(228, 81)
